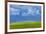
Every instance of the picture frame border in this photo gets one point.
(6, 1)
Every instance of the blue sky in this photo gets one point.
(24, 13)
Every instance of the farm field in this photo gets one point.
(21, 25)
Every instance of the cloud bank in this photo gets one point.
(24, 10)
